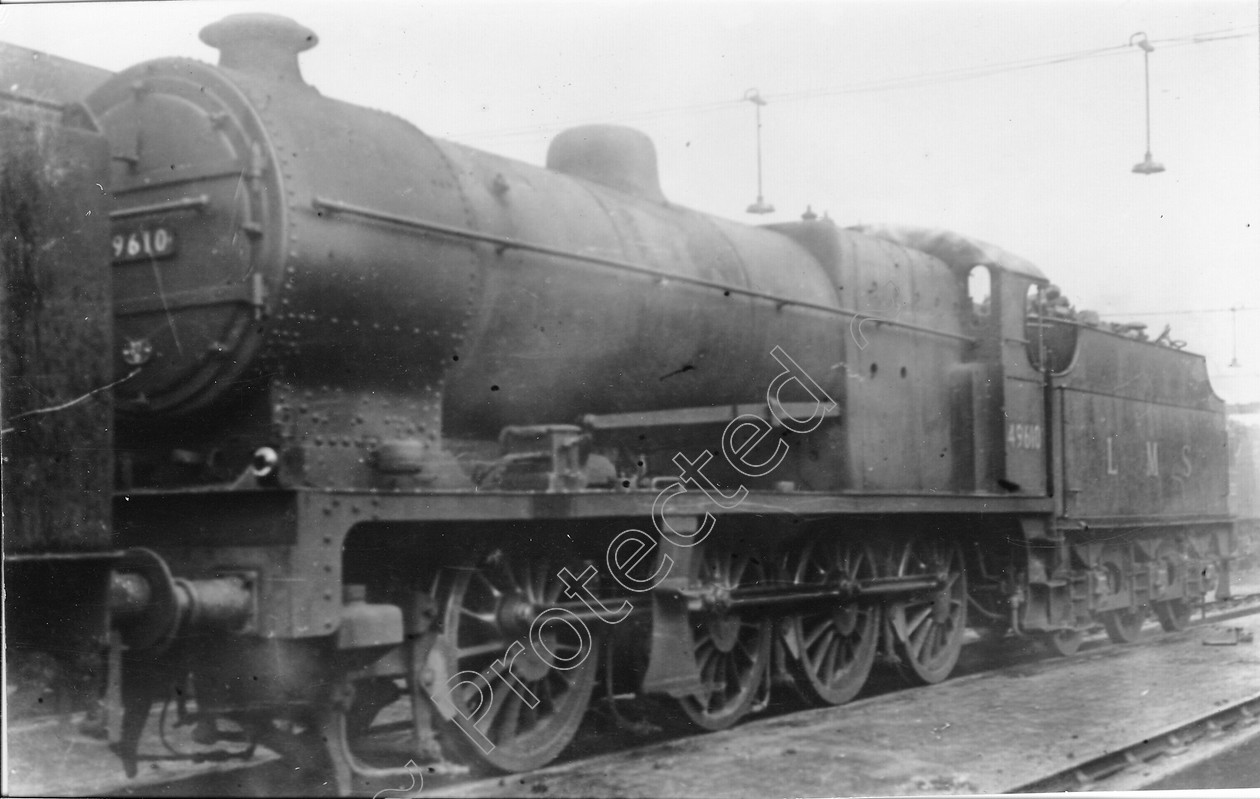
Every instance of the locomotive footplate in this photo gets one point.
(270, 531)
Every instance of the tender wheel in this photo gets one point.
(1173, 615)
(835, 645)
(732, 652)
(1170, 565)
(928, 628)
(1064, 643)
(488, 611)
(1124, 625)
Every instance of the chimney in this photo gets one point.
(265, 45)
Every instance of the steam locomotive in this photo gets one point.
(402, 424)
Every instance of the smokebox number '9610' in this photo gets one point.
(143, 244)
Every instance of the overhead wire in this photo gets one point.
(884, 84)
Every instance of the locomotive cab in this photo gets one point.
(1016, 406)
(997, 393)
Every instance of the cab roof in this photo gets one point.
(956, 250)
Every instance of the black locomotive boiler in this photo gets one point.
(409, 421)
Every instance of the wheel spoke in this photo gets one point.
(566, 678)
(730, 673)
(500, 719)
(829, 658)
(919, 617)
(518, 577)
(525, 738)
(562, 647)
(828, 638)
(919, 638)
(493, 647)
(546, 694)
(707, 666)
(534, 716)
(543, 584)
(731, 651)
(481, 576)
(929, 642)
(835, 645)
(485, 618)
(818, 632)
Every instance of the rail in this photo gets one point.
(1088, 774)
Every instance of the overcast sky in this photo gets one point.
(942, 114)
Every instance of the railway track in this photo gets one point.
(602, 751)
(1119, 768)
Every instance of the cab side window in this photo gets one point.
(1050, 326)
(980, 294)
